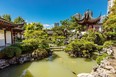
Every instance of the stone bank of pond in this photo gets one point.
(61, 66)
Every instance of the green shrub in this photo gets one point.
(95, 37)
(108, 44)
(29, 45)
(101, 57)
(11, 51)
(40, 52)
(99, 48)
(111, 35)
(82, 48)
(68, 48)
(19, 45)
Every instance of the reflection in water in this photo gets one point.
(60, 65)
(14, 70)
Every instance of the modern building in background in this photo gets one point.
(110, 4)
(56, 24)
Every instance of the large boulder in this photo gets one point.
(13, 60)
(3, 63)
(24, 58)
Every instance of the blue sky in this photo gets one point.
(50, 11)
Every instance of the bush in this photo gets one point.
(19, 45)
(82, 48)
(108, 44)
(29, 45)
(95, 37)
(11, 51)
(40, 52)
(101, 57)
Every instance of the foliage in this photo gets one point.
(95, 37)
(40, 52)
(11, 51)
(82, 48)
(34, 26)
(29, 45)
(7, 17)
(35, 34)
(68, 24)
(110, 24)
(58, 40)
(34, 30)
(101, 57)
(19, 20)
(113, 9)
(108, 44)
(35, 38)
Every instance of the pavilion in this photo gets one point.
(89, 21)
(9, 31)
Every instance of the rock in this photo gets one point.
(3, 63)
(24, 58)
(13, 60)
(109, 51)
(85, 75)
(104, 69)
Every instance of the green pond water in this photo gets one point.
(60, 66)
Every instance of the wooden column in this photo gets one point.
(20, 35)
(5, 36)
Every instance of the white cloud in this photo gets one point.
(48, 25)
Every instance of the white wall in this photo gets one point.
(8, 37)
(2, 41)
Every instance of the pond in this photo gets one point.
(61, 66)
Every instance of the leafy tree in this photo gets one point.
(110, 23)
(34, 26)
(65, 22)
(19, 20)
(35, 37)
(101, 57)
(113, 9)
(7, 17)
